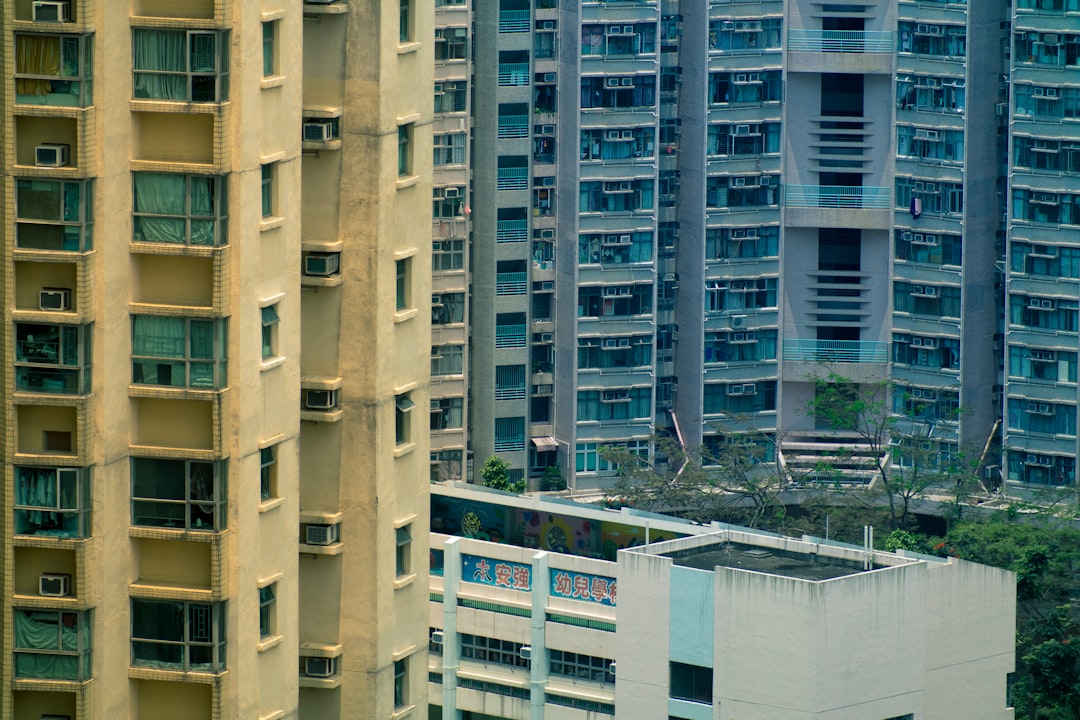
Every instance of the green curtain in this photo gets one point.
(39, 630)
(159, 337)
(162, 51)
(202, 206)
(36, 55)
(161, 194)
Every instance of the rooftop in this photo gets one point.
(770, 560)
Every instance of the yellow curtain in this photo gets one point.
(38, 55)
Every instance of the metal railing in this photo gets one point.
(510, 336)
(513, 74)
(510, 393)
(511, 283)
(513, 126)
(512, 179)
(511, 230)
(845, 351)
(513, 21)
(837, 196)
(843, 41)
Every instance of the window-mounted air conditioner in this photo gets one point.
(924, 134)
(54, 585)
(542, 389)
(52, 155)
(621, 395)
(320, 264)
(318, 131)
(929, 343)
(319, 667)
(923, 239)
(626, 82)
(55, 299)
(611, 82)
(738, 182)
(544, 285)
(549, 77)
(525, 653)
(1050, 39)
(546, 25)
(924, 290)
(52, 11)
(320, 399)
(742, 129)
(546, 337)
(611, 135)
(321, 534)
(437, 637)
(1044, 355)
(624, 342)
(610, 342)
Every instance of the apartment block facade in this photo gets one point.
(682, 215)
(215, 224)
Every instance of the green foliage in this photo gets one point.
(496, 475)
(905, 540)
(552, 479)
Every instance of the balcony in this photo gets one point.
(513, 126)
(844, 351)
(513, 74)
(511, 283)
(511, 230)
(513, 178)
(837, 196)
(841, 41)
(513, 21)
(510, 336)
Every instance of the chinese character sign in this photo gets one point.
(580, 586)
(500, 573)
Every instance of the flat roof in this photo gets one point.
(769, 560)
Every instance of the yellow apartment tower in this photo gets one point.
(216, 274)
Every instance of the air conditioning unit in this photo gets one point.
(542, 389)
(56, 11)
(618, 29)
(437, 637)
(610, 343)
(626, 82)
(321, 535)
(738, 182)
(735, 389)
(319, 667)
(525, 653)
(1042, 355)
(546, 25)
(547, 129)
(320, 399)
(52, 155)
(624, 342)
(620, 395)
(1051, 92)
(611, 82)
(54, 585)
(924, 290)
(549, 77)
(546, 337)
(320, 264)
(544, 285)
(611, 669)
(924, 134)
(611, 135)
(55, 299)
(318, 131)
(1050, 39)
(929, 343)
(742, 129)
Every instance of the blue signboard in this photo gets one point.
(582, 586)
(500, 573)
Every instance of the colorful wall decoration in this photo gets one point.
(582, 586)
(498, 573)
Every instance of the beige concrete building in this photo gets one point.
(215, 469)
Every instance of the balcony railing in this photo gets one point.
(512, 283)
(842, 41)
(510, 336)
(514, 444)
(513, 126)
(511, 230)
(845, 351)
(513, 74)
(510, 393)
(516, 178)
(513, 21)
(837, 196)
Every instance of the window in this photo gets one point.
(176, 635)
(446, 413)
(181, 65)
(930, 93)
(404, 147)
(1041, 417)
(179, 209)
(401, 667)
(451, 43)
(402, 284)
(691, 682)
(509, 434)
(403, 552)
(403, 406)
(267, 610)
(581, 667)
(510, 382)
(52, 502)
(745, 87)
(450, 149)
(749, 294)
(268, 472)
(450, 96)
(405, 33)
(178, 352)
(447, 255)
(741, 243)
(447, 308)
(745, 36)
(181, 494)
(615, 248)
(615, 404)
(615, 300)
(270, 321)
(268, 199)
(588, 456)
(739, 398)
(52, 359)
(490, 650)
(52, 645)
(269, 38)
(53, 70)
(53, 214)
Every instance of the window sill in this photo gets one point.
(270, 503)
(402, 712)
(270, 642)
(271, 363)
(407, 314)
(410, 46)
(271, 81)
(404, 581)
(404, 449)
(271, 223)
(405, 181)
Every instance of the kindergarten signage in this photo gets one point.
(581, 586)
(499, 573)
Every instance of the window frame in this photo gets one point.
(65, 481)
(268, 473)
(220, 72)
(403, 551)
(217, 219)
(403, 408)
(403, 284)
(82, 79)
(268, 191)
(78, 215)
(271, 320)
(216, 643)
(217, 500)
(270, 30)
(71, 367)
(218, 360)
(401, 683)
(268, 611)
(405, 148)
(82, 654)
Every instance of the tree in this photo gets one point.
(906, 462)
(734, 479)
(496, 475)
